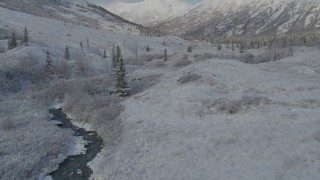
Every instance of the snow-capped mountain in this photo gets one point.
(150, 11)
(72, 11)
(254, 17)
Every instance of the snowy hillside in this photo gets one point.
(233, 17)
(150, 11)
(222, 119)
(73, 11)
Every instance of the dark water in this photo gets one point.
(75, 167)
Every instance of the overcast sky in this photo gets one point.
(108, 1)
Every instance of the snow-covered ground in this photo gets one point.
(238, 121)
(191, 117)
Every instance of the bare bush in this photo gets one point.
(188, 78)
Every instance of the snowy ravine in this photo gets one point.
(237, 121)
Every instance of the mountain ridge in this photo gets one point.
(246, 17)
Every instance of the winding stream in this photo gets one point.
(75, 167)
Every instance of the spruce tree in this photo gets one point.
(49, 64)
(114, 58)
(67, 53)
(148, 48)
(12, 42)
(241, 49)
(88, 43)
(219, 47)
(122, 88)
(81, 46)
(104, 54)
(25, 37)
(165, 55)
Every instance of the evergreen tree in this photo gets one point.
(67, 53)
(148, 48)
(241, 47)
(88, 43)
(164, 42)
(25, 37)
(49, 63)
(122, 88)
(81, 46)
(189, 49)
(12, 42)
(114, 58)
(104, 54)
(165, 55)
(219, 47)
(284, 41)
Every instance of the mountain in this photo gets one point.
(150, 11)
(72, 11)
(246, 17)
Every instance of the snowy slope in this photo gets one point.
(150, 11)
(229, 17)
(73, 11)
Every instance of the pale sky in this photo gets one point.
(108, 1)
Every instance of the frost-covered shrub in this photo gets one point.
(228, 106)
(269, 54)
(188, 78)
(159, 64)
(182, 63)
(98, 110)
(26, 72)
(201, 57)
(140, 84)
(246, 58)
(83, 66)
(150, 57)
(62, 69)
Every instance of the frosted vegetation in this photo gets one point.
(228, 108)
